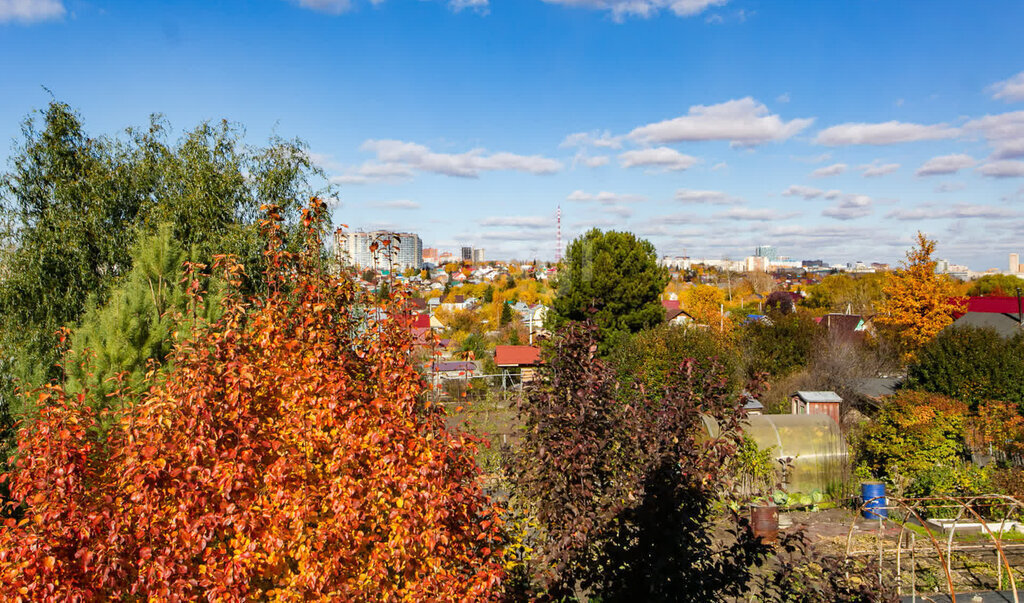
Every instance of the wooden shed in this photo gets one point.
(816, 403)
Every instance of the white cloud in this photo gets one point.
(330, 7)
(1009, 90)
(480, 6)
(782, 98)
(399, 159)
(396, 204)
(807, 192)
(603, 140)
(620, 9)
(946, 164)
(850, 207)
(876, 168)
(959, 211)
(705, 197)
(1003, 132)
(1002, 169)
(659, 157)
(754, 215)
(743, 121)
(831, 170)
(890, 132)
(604, 197)
(518, 221)
(30, 11)
(590, 161)
(337, 7)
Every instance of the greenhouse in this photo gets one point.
(814, 444)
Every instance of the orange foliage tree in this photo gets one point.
(917, 303)
(286, 456)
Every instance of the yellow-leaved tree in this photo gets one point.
(916, 302)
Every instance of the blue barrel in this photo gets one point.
(873, 496)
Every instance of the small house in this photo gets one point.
(816, 403)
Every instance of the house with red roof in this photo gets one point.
(521, 360)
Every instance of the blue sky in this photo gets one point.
(832, 130)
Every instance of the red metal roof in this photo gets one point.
(421, 321)
(1001, 305)
(516, 355)
(670, 304)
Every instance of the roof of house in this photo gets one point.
(516, 355)
(1000, 305)
(818, 396)
(670, 304)
(421, 321)
(877, 387)
(1005, 324)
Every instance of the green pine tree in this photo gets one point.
(135, 329)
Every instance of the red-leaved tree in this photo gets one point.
(286, 456)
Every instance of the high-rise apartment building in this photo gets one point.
(766, 251)
(1014, 263)
(467, 254)
(405, 250)
(478, 255)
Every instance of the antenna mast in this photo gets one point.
(558, 242)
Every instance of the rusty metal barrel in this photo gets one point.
(764, 521)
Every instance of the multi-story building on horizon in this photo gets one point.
(478, 255)
(766, 251)
(404, 251)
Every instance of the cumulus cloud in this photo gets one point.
(946, 164)
(849, 207)
(337, 7)
(330, 7)
(621, 9)
(1007, 168)
(518, 221)
(890, 132)
(399, 159)
(30, 11)
(657, 157)
(603, 197)
(396, 204)
(1003, 132)
(807, 192)
(830, 170)
(743, 122)
(754, 215)
(1009, 90)
(684, 195)
(592, 139)
(959, 211)
(876, 168)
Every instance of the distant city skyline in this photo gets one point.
(830, 130)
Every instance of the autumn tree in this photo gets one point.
(704, 303)
(623, 487)
(917, 302)
(614, 279)
(287, 455)
(996, 285)
(73, 204)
